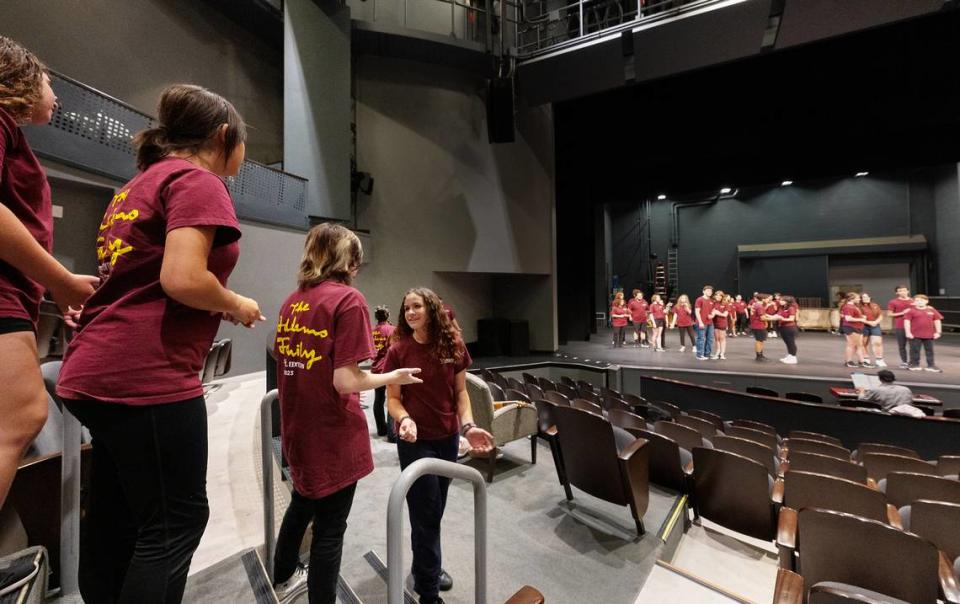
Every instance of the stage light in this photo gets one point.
(786, 183)
(859, 174)
(725, 191)
(661, 197)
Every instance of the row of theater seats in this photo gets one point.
(879, 517)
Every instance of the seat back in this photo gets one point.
(626, 420)
(758, 436)
(734, 492)
(533, 391)
(556, 398)
(804, 397)
(815, 446)
(903, 488)
(568, 391)
(500, 379)
(939, 522)
(878, 465)
(666, 466)
(829, 592)
(749, 423)
(762, 391)
(585, 387)
(516, 384)
(545, 415)
(713, 418)
(585, 405)
(864, 448)
(808, 490)
(848, 549)
(589, 453)
(633, 399)
(948, 465)
(831, 466)
(529, 378)
(612, 402)
(704, 427)
(496, 391)
(761, 454)
(546, 384)
(687, 438)
(567, 380)
(516, 395)
(670, 408)
(481, 401)
(824, 438)
(209, 371)
(225, 358)
(590, 395)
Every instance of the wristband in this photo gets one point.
(466, 428)
(400, 421)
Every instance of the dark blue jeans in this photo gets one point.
(426, 501)
(329, 515)
(149, 499)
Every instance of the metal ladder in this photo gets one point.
(673, 270)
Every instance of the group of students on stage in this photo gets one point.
(715, 316)
(166, 246)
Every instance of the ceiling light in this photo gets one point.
(859, 174)
(786, 183)
(661, 197)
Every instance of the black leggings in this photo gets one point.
(690, 333)
(619, 335)
(380, 416)
(149, 501)
(329, 515)
(789, 335)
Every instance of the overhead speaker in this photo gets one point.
(500, 127)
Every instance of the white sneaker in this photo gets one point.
(722, 357)
(789, 360)
(292, 587)
(683, 349)
(881, 363)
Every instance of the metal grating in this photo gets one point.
(94, 132)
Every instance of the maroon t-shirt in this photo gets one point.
(871, 311)
(756, 316)
(638, 311)
(656, 310)
(788, 317)
(705, 305)
(619, 321)
(25, 191)
(719, 321)
(324, 433)
(898, 305)
(921, 322)
(847, 311)
(136, 345)
(740, 307)
(432, 404)
(684, 318)
(381, 342)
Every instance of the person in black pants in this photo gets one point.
(431, 417)
(381, 342)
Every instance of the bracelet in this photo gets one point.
(466, 428)
(400, 421)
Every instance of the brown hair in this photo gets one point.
(21, 79)
(189, 117)
(922, 297)
(618, 298)
(851, 296)
(331, 251)
(445, 340)
(635, 292)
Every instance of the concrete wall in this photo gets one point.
(133, 49)
(449, 210)
(947, 202)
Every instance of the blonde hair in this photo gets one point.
(21, 79)
(684, 299)
(331, 251)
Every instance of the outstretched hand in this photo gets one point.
(405, 376)
(480, 440)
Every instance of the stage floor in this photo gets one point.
(820, 355)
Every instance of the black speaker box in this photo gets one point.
(500, 110)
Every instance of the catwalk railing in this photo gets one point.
(544, 25)
(93, 131)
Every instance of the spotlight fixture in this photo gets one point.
(786, 183)
(726, 191)
(859, 174)
(661, 197)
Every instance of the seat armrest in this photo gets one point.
(789, 588)
(526, 595)
(634, 463)
(787, 536)
(688, 469)
(777, 494)
(893, 517)
(784, 468)
(948, 581)
(872, 484)
(630, 450)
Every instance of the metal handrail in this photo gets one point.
(266, 461)
(70, 505)
(447, 469)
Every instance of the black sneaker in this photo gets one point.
(431, 600)
(851, 364)
(445, 582)
(17, 574)
(868, 365)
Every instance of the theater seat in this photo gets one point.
(824, 464)
(878, 465)
(768, 439)
(864, 448)
(713, 418)
(759, 453)
(507, 423)
(547, 431)
(804, 445)
(687, 438)
(735, 492)
(824, 438)
(703, 426)
(903, 488)
(609, 466)
(670, 466)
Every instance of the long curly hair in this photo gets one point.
(21, 79)
(441, 335)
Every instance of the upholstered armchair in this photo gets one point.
(507, 421)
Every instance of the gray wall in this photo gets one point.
(316, 104)
(75, 233)
(926, 202)
(449, 210)
(133, 49)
